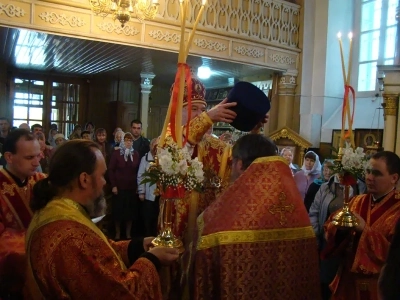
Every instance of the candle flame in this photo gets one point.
(203, 2)
(350, 35)
(339, 35)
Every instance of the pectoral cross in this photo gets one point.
(281, 208)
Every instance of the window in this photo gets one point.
(378, 28)
(28, 102)
(64, 106)
(29, 105)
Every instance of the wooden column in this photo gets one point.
(286, 93)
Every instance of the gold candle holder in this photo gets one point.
(345, 218)
(166, 238)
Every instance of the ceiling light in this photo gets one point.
(123, 10)
(203, 72)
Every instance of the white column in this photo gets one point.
(146, 85)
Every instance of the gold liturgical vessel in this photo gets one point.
(345, 218)
(166, 238)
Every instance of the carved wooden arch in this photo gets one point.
(286, 137)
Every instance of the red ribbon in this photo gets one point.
(347, 90)
(175, 94)
(174, 192)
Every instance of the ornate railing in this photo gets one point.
(266, 21)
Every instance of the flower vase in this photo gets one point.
(345, 218)
(166, 237)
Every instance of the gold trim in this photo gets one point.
(390, 102)
(268, 159)
(249, 236)
(13, 211)
(290, 134)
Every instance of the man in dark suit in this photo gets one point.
(140, 143)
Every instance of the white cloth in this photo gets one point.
(146, 189)
(316, 169)
(128, 152)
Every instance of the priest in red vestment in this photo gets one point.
(21, 151)
(364, 249)
(215, 156)
(255, 241)
(67, 254)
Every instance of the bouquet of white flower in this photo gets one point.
(351, 166)
(175, 171)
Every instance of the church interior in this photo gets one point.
(119, 73)
(99, 71)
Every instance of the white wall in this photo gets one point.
(322, 85)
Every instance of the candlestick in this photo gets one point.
(339, 35)
(224, 161)
(350, 35)
(166, 122)
(178, 124)
(182, 42)
(191, 36)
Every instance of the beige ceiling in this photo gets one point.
(30, 50)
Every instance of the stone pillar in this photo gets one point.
(146, 85)
(286, 93)
(390, 105)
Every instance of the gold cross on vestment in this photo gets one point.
(281, 208)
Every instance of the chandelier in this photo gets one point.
(123, 10)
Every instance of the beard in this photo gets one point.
(98, 207)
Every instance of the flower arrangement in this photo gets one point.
(351, 165)
(175, 172)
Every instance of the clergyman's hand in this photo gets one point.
(165, 255)
(361, 223)
(260, 124)
(147, 243)
(114, 190)
(222, 112)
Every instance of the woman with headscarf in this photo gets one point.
(123, 170)
(51, 141)
(327, 172)
(310, 171)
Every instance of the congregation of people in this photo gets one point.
(264, 231)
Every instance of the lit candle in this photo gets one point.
(350, 58)
(339, 35)
(191, 36)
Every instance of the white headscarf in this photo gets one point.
(126, 152)
(316, 169)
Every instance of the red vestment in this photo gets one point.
(255, 241)
(70, 258)
(216, 158)
(15, 215)
(364, 254)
